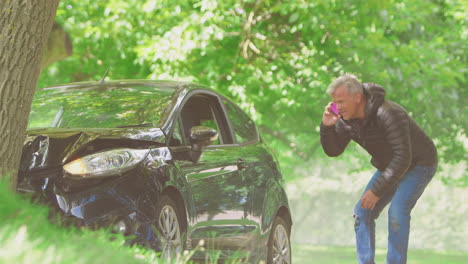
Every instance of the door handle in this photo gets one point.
(241, 164)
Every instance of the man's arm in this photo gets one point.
(397, 134)
(332, 136)
(333, 139)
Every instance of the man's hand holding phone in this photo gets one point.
(330, 115)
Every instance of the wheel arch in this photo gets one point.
(285, 214)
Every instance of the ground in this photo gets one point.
(306, 254)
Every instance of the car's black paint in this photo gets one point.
(229, 192)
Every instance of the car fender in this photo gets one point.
(165, 176)
(274, 200)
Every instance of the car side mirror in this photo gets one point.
(201, 136)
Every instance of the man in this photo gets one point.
(405, 158)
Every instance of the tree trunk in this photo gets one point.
(24, 29)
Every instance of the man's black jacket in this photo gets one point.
(393, 139)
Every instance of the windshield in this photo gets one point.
(106, 107)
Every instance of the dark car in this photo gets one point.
(170, 164)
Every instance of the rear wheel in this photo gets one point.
(171, 231)
(279, 244)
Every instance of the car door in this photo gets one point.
(258, 168)
(218, 190)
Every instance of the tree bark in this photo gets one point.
(24, 29)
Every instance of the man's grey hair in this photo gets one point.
(349, 81)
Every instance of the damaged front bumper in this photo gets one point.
(120, 203)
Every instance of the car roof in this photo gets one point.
(176, 85)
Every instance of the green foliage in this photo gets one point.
(276, 58)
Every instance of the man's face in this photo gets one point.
(347, 104)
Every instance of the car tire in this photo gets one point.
(279, 244)
(171, 230)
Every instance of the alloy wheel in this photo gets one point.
(171, 243)
(281, 248)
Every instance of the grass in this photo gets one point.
(27, 236)
(346, 255)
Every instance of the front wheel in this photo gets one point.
(279, 244)
(170, 229)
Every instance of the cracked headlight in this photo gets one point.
(107, 163)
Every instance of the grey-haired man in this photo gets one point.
(405, 158)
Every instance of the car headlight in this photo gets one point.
(105, 163)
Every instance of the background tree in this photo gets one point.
(25, 27)
(59, 46)
(276, 58)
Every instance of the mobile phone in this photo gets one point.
(334, 109)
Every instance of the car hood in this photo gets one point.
(53, 147)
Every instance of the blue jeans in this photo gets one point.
(403, 197)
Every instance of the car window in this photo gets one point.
(200, 111)
(244, 128)
(176, 139)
